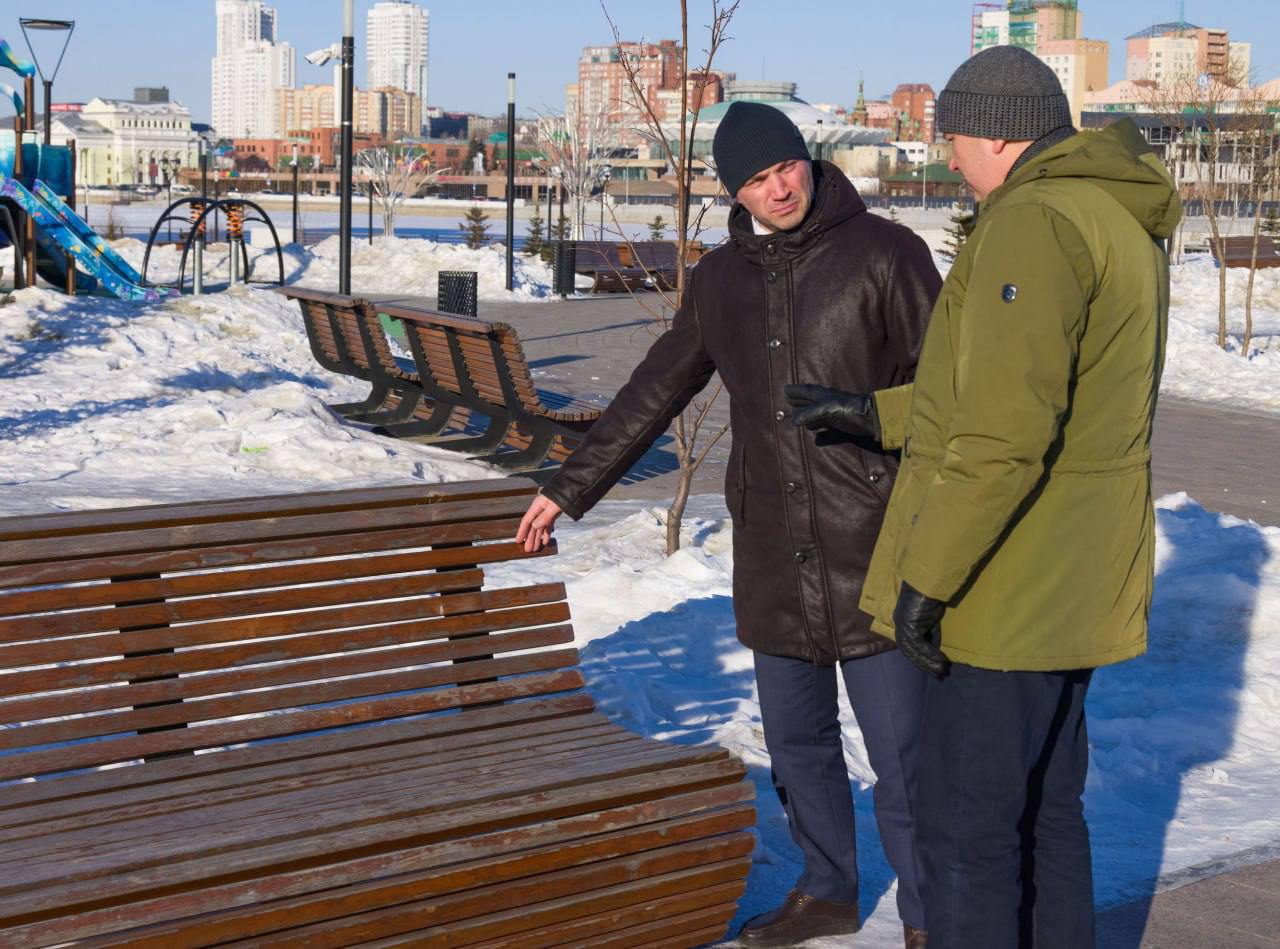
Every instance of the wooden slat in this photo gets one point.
(225, 851)
(283, 505)
(699, 927)
(248, 554)
(230, 581)
(248, 908)
(289, 809)
(349, 767)
(679, 892)
(52, 761)
(303, 751)
(231, 605)
(265, 529)
(510, 897)
(690, 919)
(236, 642)
(290, 686)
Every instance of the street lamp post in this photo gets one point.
(30, 23)
(348, 94)
(605, 175)
(511, 180)
(294, 165)
(553, 172)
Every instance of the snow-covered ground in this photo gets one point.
(1184, 745)
(107, 403)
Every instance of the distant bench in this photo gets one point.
(310, 719)
(1238, 252)
(622, 266)
(465, 375)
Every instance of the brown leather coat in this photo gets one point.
(841, 301)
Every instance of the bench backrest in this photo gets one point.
(319, 312)
(155, 630)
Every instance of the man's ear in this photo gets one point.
(998, 145)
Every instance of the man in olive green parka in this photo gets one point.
(1017, 551)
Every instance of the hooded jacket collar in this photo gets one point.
(835, 201)
(1118, 161)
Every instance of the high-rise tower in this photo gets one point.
(248, 67)
(398, 47)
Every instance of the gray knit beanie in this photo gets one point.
(1003, 92)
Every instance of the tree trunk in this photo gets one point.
(684, 485)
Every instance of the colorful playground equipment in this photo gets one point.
(37, 215)
(37, 182)
(237, 212)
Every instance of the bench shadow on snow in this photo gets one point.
(663, 676)
(1157, 719)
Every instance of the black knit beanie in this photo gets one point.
(751, 137)
(1003, 92)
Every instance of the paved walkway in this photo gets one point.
(1226, 459)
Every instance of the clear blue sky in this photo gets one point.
(821, 44)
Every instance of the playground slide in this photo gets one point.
(58, 224)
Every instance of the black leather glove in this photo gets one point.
(817, 407)
(915, 623)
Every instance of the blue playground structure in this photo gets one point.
(34, 181)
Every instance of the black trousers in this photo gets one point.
(1003, 840)
(799, 708)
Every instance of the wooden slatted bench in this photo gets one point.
(309, 720)
(1238, 252)
(483, 366)
(346, 338)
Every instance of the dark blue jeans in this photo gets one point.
(1003, 839)
(798, 705)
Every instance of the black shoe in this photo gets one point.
(799, 918)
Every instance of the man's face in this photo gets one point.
(779, 196)
(984, 162)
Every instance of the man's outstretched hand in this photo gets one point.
(537, 524)
(916, 621)
(817, 408)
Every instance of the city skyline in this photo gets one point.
(470, 61)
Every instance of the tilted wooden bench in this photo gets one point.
(310, 720)
(346, 338)
(483, 367)
(469, 388)
(1239, 252)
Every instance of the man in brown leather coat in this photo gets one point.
(810, 288)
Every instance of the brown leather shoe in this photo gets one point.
(913, 938)
(799, 918)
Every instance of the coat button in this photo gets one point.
(874, 477)
(792, 487)
(775, 343)
(779, 415)
(801, 556)
(768, 248)
(773, 275)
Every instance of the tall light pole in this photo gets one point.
(30, 23)
(294, 165)
(344, 186)
(511, 180)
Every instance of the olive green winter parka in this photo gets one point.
(1024, 497)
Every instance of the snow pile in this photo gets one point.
(1184, 745)
(108, 403)
(1195, 366)
(410, 267)
(400, 266)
